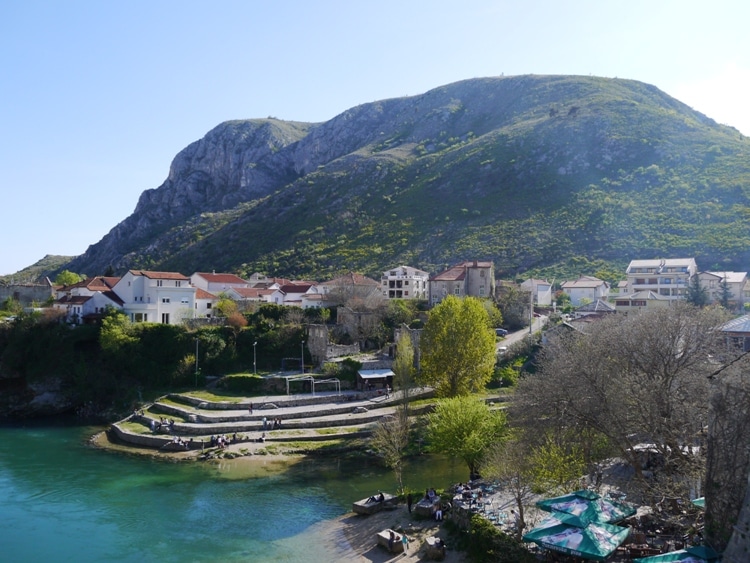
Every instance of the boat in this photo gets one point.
(369, 506)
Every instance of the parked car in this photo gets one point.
(501, 332)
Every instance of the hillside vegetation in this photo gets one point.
(545, 175)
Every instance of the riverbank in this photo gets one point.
(354, 537)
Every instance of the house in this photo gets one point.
(640, 301)
(216, 283)
(291, 294)
(244, 296)
(666, 277)
(586, 289)
(350, 286)
(159, 297)
(404, 282)
(205, 303)
(596, 308)
(86, 301)
(714, 283)
(541, 291)
(471, 278)
(737, 333)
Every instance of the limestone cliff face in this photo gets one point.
(440, 167)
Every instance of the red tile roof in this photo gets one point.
(221, 278)
(203, 294)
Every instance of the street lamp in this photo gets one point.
(196, 362)
(302, 357)
(255, 365)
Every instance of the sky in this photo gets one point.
(96, 98)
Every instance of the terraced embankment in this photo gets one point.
(321, 417)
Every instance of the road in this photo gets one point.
(519, 335)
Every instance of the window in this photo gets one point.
(177, 283)
(640, 281)
(165, 318)
(208, 305)
(457, 291)
(165, 300)
(184, 301)
(159, 283)
(481, 273)
(481, 290)
(653, 281)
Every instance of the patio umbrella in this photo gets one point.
(589, 505)
(694, 554)
(577, 536)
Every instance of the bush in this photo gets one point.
(242, 383)
(487, 543)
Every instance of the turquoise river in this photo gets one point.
(63, 500)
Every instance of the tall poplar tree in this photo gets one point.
(457, 347)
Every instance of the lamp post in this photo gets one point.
(255, 364)
(196, 362)
(302, 357)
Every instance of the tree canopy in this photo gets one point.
(638, 379)
(465, 427)
(457, 347)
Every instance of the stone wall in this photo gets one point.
(26, 293)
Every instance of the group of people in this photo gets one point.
(275, 424)
(222, 441)
(393, 537)
(163, 423)
(180, 442)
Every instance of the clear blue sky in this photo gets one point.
(97, 97)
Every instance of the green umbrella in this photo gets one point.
(577, 536)
(588, 505)
(694, 554)
(699, 502)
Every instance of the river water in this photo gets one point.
(62, 500)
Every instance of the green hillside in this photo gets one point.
(544, 175)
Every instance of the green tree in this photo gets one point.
(725, 293)
(464, 428)
(696, 294)
(226, 307)
(66, 277)
(403, 368)
(493, 313)
(114, 335)
(457, 347)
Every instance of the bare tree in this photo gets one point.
(641, 379)
(389, 439)
(512, 464)
(728, 463)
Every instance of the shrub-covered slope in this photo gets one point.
(551, 175)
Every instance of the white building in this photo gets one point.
(87, 300)
(668, 277)
(586, 289)
(157, 297)
(216, 283)
(404, 282)
(714, 283)
(541, 291)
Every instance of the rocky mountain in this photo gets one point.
(549, 175)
